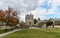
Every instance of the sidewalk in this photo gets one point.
(4, 34)
(34, 28)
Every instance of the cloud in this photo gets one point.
(46, 5)
(39, 8)
(39, 12)
(2, 5)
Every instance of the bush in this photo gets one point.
(4, 31)
(7, 30)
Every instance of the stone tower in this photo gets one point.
(29, 19)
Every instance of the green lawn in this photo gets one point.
(35, 33)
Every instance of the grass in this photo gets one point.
(35, 33)
(4, 31)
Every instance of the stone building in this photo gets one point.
(29, 19)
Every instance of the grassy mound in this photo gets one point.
(35, 33)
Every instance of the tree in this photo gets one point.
(49, 23)
(35, 21)
(13, 20)
(2, 16)
(11, 16)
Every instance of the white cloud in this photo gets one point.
(1, 3)
(39, 13)
(55, 3)
(41, 1)
(51, 11)
(33, 6)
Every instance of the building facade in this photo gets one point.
(29, 19)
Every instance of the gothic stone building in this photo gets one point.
(29, 19)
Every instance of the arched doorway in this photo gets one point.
(30, 24)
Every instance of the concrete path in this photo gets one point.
(34, 28)
(4, 34)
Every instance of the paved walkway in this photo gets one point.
(34, 28)
(4, 34)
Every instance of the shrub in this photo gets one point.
(4, 31)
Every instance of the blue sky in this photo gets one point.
(44, 9)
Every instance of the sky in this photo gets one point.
(43, 9)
